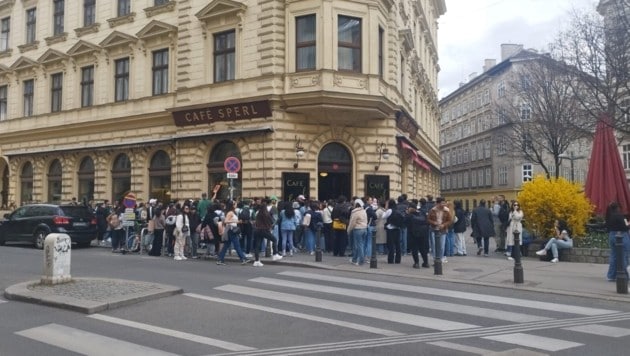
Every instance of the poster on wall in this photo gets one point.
(295, 184)
(377, 186)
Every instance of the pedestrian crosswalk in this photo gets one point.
(387, 313)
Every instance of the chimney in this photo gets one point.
(472, 76)
(489, 63)
(509, 49)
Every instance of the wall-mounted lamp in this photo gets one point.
(299, 151)
(383, 153)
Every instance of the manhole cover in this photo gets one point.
(468, 270)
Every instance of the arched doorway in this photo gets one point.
(121, 177)
(54, 182)
(334, 172)
(217, 174)
(160, 177)
(86, 180)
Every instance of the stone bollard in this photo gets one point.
(57, 249)
(373, 260)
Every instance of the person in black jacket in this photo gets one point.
(483, 227)
(341, 212)
(460, 228)
(418, 234)
(616, 223)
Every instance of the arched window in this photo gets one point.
(121, 177)
(217, 174)
(160, 177)
(26, 183)
(334, 171)
(86, 179)
(54, 182)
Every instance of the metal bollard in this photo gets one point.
(318, 245)
(268, 249)
(622, 275)
(437, 263)
(516, 254)
(373, 260)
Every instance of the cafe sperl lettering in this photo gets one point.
(207, 115)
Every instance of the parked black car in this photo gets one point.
(35, 221)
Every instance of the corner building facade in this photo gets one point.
(163, 98)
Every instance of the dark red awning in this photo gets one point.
(606, 180)
(415, 157)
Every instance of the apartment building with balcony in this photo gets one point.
(321, 98)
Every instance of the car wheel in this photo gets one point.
(40, 238)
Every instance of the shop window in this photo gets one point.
(160, 176)
(54, 182)
(86, 180)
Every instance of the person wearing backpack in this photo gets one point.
(245, 222)
(394, 220)
(418, 234)
(504, 218)
(340, 216)
(402, 205)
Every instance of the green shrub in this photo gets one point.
(545, 200)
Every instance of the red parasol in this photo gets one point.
(606, 179)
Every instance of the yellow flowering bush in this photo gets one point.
(544, 200)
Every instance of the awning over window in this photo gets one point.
(405, 144)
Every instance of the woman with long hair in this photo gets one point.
(514, 225)
(616, 223)
(231, 224)
(560, 241)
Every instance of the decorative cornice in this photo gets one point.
(116, 21)
(155, 10)
(93, 28)
(57, 38)
(28, 47)
(219, 8)
(6, 4)
(6, 53)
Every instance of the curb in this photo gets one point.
(89, 295)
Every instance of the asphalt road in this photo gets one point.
(283, 310)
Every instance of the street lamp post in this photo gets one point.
(571, 157)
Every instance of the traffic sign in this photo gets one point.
(130, 200)
(232, 165)
(232, 175)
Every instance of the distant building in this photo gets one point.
(320, 98)
(476, 159)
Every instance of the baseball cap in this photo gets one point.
(301, 197)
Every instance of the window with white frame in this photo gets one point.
(124, 7)
(29, 88)
(480, 175)
(224, 56)
(473, 176)
(526, 112)
(502, 146)
(5, 32)
(89, 12)
(305, 42)
(487, 145)
(473, 151)
(87, 86)
(502, 175)
(121, 79)
(501, 89)
(626, 156)
(486, 96)
(349, 43)
(160, 71)
(3, 102)
(56, 87)
(466, 179)
(527, 172)
(488, 176)
(58, 16)
(31, 24)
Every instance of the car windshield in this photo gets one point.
(76, 211)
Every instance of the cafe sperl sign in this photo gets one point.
(231, 112)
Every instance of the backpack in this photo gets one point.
(245, 215)
(396, 219)
(171, 219)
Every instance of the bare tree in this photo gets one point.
(596, 51)
(541, 114)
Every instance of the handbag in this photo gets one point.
(185, 228)
(338, 225)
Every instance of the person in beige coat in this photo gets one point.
(357, 228)
(380, 235)
(515, 224)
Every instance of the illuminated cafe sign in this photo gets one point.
(210, 114)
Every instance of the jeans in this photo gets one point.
(432, 242)
(393, 245)
(612, 264)
(309, 240)
(287, 239)
(441, 242)
(449, 245)
(554, 244)
(403, 240)
(358, 249)
(232, 239)
(193, 241)
(368, 241)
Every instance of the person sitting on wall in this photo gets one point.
(561, 241)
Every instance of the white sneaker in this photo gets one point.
(444, 260)
(184, 258)
(257, 264)
(510, 258)
(555, 260)
(276, 257)
(248, 255)
(177, 258)
(541, 252)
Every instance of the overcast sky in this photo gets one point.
(473, 30)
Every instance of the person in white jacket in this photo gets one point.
(358, 227)
(182, 232)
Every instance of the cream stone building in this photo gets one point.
(164, 98)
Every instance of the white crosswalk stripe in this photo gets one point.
(458, 347)
(535, 341)
(556, 307)
(416, 302)
(87, 343)
(377, 313)
(602, 330)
